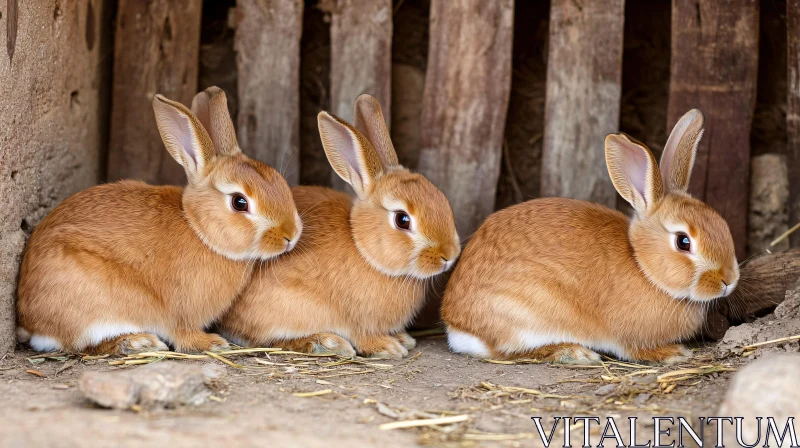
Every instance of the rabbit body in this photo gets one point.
(126, 267)
(80, 286)
(556, 279)
(325, 285)
(575, 282)
(357, 276)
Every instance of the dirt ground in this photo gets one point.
(255, 405)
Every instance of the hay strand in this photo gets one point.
(784, 235)
(316, 393)
(424, 422)
(773, 341)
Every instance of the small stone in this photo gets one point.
(767, 387)
(158, 385)
(605, 390)
(790, 307)
(736, 337)
(644, 379)
(641, 398)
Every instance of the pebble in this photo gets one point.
(164, 384)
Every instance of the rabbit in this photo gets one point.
(127, 267)
(358, 274)
(559, 279)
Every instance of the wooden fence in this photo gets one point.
(66, 91)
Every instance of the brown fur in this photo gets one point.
(154, 260)
(353, 274)
(554, 271)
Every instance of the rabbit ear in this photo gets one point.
(369, 121)
(680, 151)
(185, 138)
(633, 171)
(211, 108)
(349, 153)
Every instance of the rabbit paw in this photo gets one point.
(198, 341)
(406, 340)
(666, 354)
(129, 344)
(574, 354)
(140, 342)
(319, 343)
(385, 347)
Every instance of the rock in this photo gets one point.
(739, 336)
(644, 379)
(159, 385)
(765, 388)
(784, 322)
(769, 199)
(790, 307)
(605, 390)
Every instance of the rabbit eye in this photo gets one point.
(402, 220)
(683, 243)
(239, 203)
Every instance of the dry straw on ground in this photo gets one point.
(612, 387)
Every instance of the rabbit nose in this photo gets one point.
(727, 290)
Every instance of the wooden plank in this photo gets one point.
(156, 50)
(584, 71)
(464, 106)
(714, 66)
(361, 58)
(793, 113)
(268, 62)
(54, 68)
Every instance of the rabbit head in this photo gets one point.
(681, 244)
(401, 223)
(241, 208)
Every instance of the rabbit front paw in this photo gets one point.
(199, 341)
(406, 340)
(319, 343)
(384, 347)
(666, 354)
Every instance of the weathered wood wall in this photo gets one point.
(714, 67)
(465, 103)
(53, 78)
(268, 64)
(584, 83)
(156, 49)
(361, 58)
(793, 112)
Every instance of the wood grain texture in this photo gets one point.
(156, 50)
(361, 58)
(793, 113)
(53, 121)
(268, 62)
(714, 66)
(465, 102)
(584, 71)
